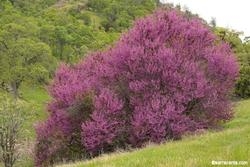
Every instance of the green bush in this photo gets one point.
(243, 83)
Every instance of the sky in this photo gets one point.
(233, 14)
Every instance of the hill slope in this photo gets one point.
(230, 144)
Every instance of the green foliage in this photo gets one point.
(232, 37)
(32, 6)
(243, 84)
(86, 18)
(98, 5)
(67, 35)
(119, 14)
(71, 28)
(23, 58)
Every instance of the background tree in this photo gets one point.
(243, 83)
(22, 58)
(213, 22)
(10, 126)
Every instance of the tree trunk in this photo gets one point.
(14, 89)
(158, 3)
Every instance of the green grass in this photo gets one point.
(230, 144)
(36, 98)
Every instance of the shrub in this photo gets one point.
(243, 83)
(166, 76)
(86, 18)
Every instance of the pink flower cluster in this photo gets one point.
(166, 76)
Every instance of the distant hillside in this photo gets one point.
(72, 28)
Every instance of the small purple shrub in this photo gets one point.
(166, 76)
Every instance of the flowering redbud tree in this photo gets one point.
(166, 76)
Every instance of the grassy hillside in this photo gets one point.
(231, 143)
(36, 97)
(73, 28)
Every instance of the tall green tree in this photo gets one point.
(23, 58)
